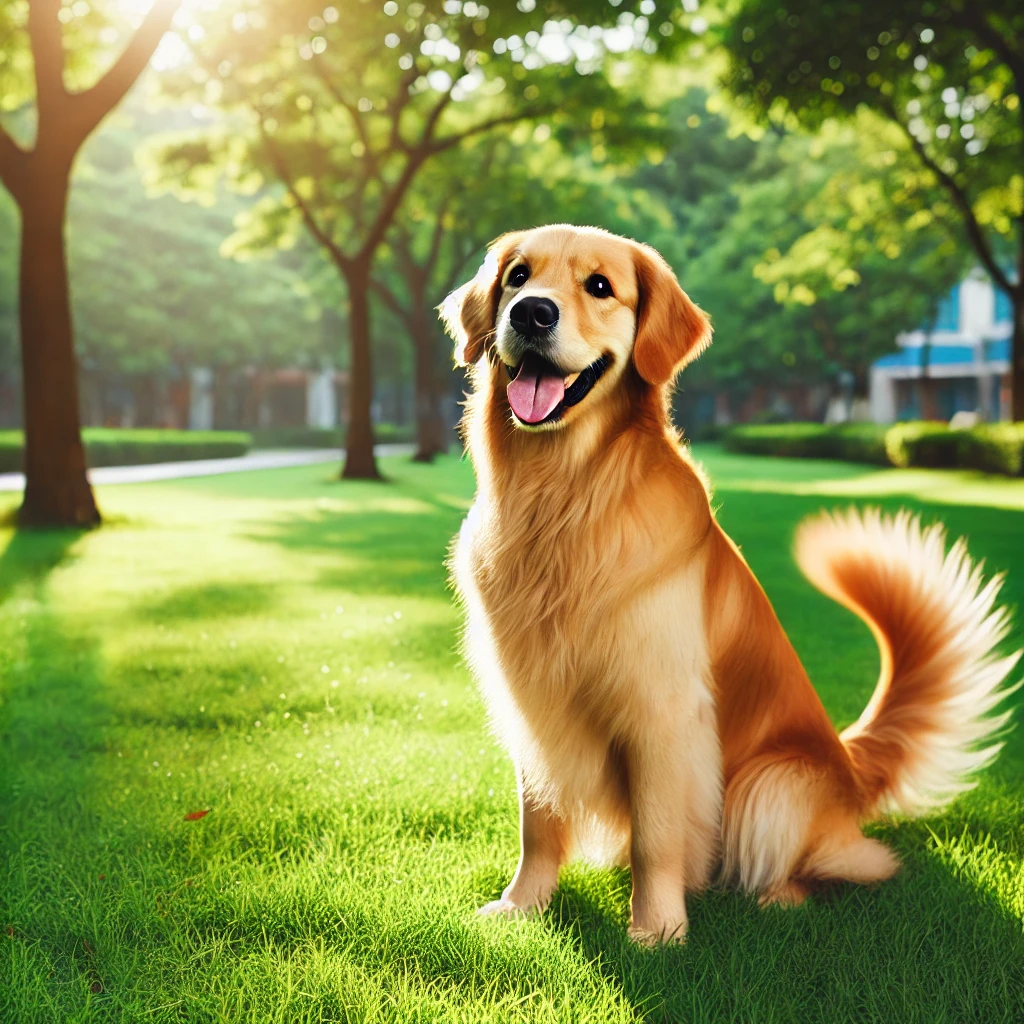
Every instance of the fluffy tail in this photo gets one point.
(928, 727)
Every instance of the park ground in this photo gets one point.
(278, 649)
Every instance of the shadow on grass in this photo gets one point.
(31, 555)
(925, 947)
(396, 549)
(52, 725)
(213, 601)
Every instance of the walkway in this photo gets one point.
(211, 467)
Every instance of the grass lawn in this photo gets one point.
(278, 648)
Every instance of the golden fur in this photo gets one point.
(632, 664)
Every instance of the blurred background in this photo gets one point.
(239, 215)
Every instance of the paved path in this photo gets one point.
(210, 467)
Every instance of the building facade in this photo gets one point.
(958, 364)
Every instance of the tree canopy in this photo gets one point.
(947, 73)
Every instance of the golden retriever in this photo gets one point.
(653, 706)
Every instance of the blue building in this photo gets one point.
(961, 363)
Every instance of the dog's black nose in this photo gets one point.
(533, 315)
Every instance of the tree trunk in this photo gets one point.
(57, 491)
(1017, 356)
(431, 436)
(360, 463)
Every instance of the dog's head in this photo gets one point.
(568, 312)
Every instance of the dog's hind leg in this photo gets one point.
(787, 827)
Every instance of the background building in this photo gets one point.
(959, 363)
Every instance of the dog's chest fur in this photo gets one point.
(562, 584)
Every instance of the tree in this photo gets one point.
(344, 107)
(948, 73)
(57, 491)
(796, 246)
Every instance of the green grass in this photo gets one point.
(278, 648)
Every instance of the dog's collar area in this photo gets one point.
(574, 393)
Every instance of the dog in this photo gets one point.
(631, 663)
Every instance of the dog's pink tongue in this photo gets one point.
(536, 390)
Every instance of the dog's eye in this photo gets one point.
(599, 286)
(519, 276)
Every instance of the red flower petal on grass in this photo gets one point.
(196, 815)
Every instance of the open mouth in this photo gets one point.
(540, 392)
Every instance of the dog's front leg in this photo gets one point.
(659, 774)
(543, 846)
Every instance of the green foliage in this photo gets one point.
(852, 442)
(924, 65)
(106, 446)
(142, 669)
(92, 33)
(794, 245)
(346, 123)
(921, 444)
(993, 448)
(947, 73)
(151, 290)
(989, 447)
(317, 437)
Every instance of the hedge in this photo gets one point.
(852, 442)
(329, 437)
(115, 447)
(991, 447)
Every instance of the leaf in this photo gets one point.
(196, 815)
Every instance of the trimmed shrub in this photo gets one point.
(10, 451)
(992, 448)
(298, 437)
(115, 447)
(922, 444)
(853, 442)
(989, 447)
(326, 437)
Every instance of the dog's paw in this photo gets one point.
(508, 908)
(786, 894)
(666, 937)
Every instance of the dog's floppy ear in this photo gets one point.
(670, 330)
(469, 312)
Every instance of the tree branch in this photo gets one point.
(438, 234)
(402, 98)
(414, 161)
(48, 59)
(392, 200)
(356, 117)
(432, 119)
(389, 298)
(13, 165)
(92, 105)
(315, 229)
(449, 141)
(962, 202)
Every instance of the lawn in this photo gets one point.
(278, 649)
